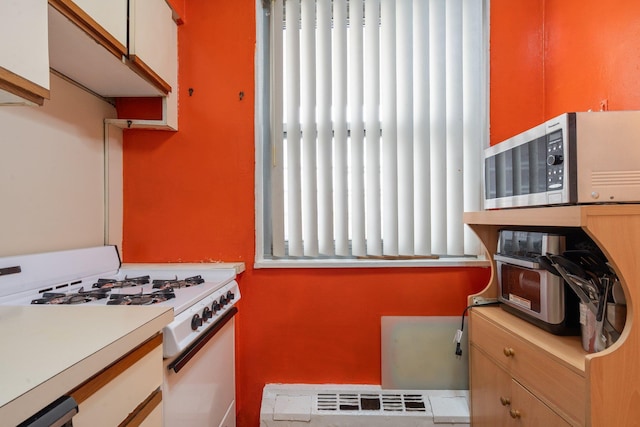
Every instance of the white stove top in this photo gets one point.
(185, 297)
(26, 278)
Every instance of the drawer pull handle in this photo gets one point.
(505, 401)
(508, 351)
(514, 413)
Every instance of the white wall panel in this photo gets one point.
(52, 180)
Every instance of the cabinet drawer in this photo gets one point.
(492, 339)
(115, 393)
(544, 375)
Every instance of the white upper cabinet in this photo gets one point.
(153, 39)
(114, 48)
(92, 43)
(110, 15)
(24, 59)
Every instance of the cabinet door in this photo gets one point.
(499, 401)
(529, 411)
(153, 41)
(24, 51)
(110, 15)
(490, 391)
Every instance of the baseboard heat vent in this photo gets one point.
(385, 402)
(356, 405)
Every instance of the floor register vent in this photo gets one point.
(304, 405)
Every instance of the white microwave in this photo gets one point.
(574, 158)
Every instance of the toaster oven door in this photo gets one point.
(533, 291)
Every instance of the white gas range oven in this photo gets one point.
(198, 345)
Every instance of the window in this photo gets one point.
(372, 116)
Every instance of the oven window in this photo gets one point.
(521, 286)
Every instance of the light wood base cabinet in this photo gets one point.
(491, 389)
(127, 393)
(502, 394)
(553, 375)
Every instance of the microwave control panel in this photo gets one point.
(555, 161)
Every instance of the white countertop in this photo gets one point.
(239, 267)
(49, 350)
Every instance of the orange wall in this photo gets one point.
(189, 196)
(553, 56)
(516, 75)
(593, 54)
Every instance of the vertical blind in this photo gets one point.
(377, 124)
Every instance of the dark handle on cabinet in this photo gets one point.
(58, 413)
(191, 351)
(5, 271)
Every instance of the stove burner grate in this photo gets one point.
(127, 282)
(79, 297)
(141, 298)
(175, 283)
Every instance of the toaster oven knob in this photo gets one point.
(215, 307)
(223, 301)
(206, 314)
(554, 159)
(196, 322)
(230, 296)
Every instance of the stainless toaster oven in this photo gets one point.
(529, 291)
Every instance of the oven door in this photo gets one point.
(199, 384)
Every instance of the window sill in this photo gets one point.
(373, 263)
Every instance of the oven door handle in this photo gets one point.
(517, 261)
(191, 351)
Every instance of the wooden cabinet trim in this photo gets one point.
(22, 87)
(95, 383)
(87, 24)
(143, 410)
(144, 71)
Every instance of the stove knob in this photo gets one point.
(230, 296)
(206, 314)
(223, 301)
(215, 307)
(196, 322)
